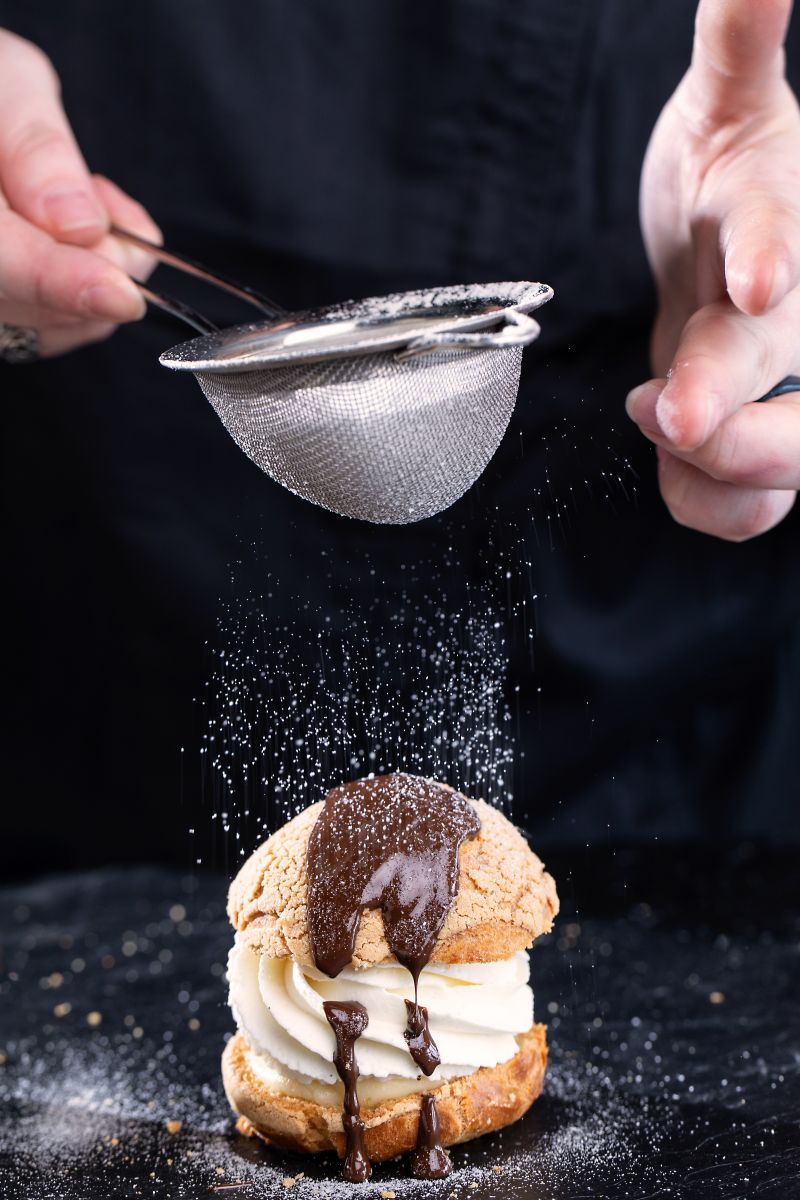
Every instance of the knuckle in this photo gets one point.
(760, 473)
(35, 139)
(51, 288)
(724, 463)
(38, 281)
(37, 149)
(701, 318)
(759, 216)
(763, 346)
(735, 462)
(706, 330)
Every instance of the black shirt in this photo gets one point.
(321, 151)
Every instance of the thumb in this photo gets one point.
(737, 57)
(42, 172)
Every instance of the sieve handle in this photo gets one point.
(190, 266)
(518, 329)
(176, 308)
(790, 384)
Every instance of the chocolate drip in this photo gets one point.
(390, 843)
(348, 1019)
(430, 1160)
(421, 1046)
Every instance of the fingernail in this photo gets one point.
(781, 282)
(641, 406)
(71, 210)
(114, 301)
(668, 416)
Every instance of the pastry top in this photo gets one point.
(505, 897)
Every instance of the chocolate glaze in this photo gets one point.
(390, 843)
(348, 1019)
(421, 1046)
(430, 1160)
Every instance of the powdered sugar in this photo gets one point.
(101, 1113)
(644, 1095)
(295, 708)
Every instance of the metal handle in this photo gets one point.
(176, 308)
(191, 267)
(518, 329)
(790, 384)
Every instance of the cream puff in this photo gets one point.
(379, 977)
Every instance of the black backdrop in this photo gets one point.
(321, 151)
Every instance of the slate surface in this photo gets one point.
(671, 987)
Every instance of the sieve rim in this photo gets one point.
(378, 324)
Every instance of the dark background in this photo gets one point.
(318, 152)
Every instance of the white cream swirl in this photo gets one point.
(475, 1011)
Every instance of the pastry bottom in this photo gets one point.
(468, 1105)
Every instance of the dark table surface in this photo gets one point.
(671, 988)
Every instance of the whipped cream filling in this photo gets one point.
(475, 1012)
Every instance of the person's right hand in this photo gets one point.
(61, 273)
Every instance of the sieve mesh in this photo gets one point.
(371, 437)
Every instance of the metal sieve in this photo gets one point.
(386, 409)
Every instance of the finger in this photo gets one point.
(57, 340)
(724, 359)
(640, 405)
(57, 332)
(128, 213)
(124, 210)
(737, 59)
(757, 447)
(35, 270)
(42, 171)
(721, 509)
(37, 317)
(761, 243)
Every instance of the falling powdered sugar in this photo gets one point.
(296, 705)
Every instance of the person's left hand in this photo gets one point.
(720, 207)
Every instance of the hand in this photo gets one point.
(60, 271)
(720, 206)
